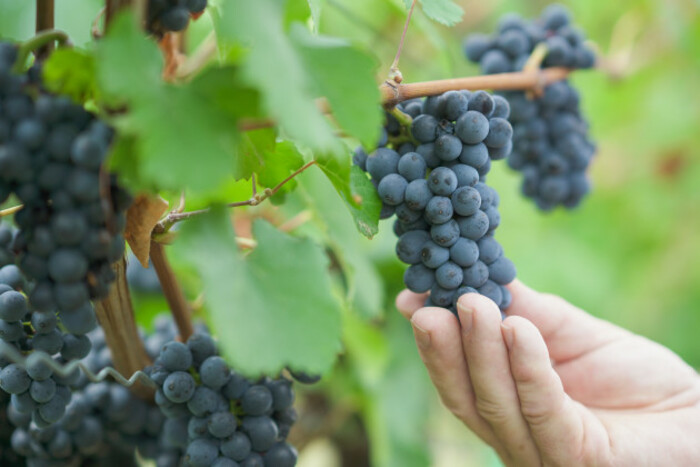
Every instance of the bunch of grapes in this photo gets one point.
(73, 215)
(103, 422)
(217, 417)
(432, 178)
(551, 147)
(172, 15)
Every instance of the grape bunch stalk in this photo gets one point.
(551, 147)
(432, 176)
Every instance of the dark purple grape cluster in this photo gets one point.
(172, 15)
(432, 178)
(102, 422)
(73, 215)
(551, 147)
(215, 416)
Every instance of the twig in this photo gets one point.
(203, 55)
(179, 307)
(116, 316)
(41, 39)
(95, 28)
(394, 72)
(296, 221)
(393, 94)
(256, 199)
(44, 21)
(10, 211)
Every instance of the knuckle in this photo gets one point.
(491, 410)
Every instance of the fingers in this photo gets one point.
(556, 422)
(568, 331)
(489, 371)
(439, 343)
(408, 302)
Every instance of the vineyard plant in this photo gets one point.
(208, 207)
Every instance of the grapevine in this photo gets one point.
(227, 173)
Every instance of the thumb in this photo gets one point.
(558, 425)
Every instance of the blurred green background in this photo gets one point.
(630, 254)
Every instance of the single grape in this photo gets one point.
(412, 166)
(410, 245)
(439, 210)
(472, 127)
(445, 234)
(476, 275)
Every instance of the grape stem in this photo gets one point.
(40, 40)
(393, 94)
(256, 199)
(116, 316)
(44, 21)
(179, 307)
(394, 72)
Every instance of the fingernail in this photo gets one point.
(422, 336)
(507, 335)
(465, 318)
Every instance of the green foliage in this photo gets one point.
(446, 12)
(71, 72)
(271, 308)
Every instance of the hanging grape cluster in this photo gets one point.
(432, 178)
(217, 417)
(73, 214)
(551, 147)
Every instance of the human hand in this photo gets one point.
(552, 385)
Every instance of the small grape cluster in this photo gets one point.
(35, 390)
(433, 181)
(103, 421)
(216, 417)
(172, 15)
(73, 214)
(551, 147)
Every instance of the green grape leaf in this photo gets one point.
(341, 73)
(274, 67)
(185, 136)
(446, 12)
(296, 11)
(255, 145)
(129, 63)
(272, 308)
(357, 191)
(278, 164)
(71, 72)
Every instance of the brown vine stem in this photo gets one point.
(179, 307)
(44, 21)
(393, 94)
(394, 72)
(116, 316)
(256, 199)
